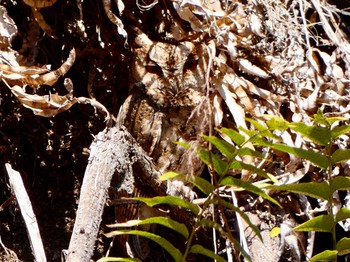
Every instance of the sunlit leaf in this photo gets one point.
(343, 213)
(202, 184)
(318, 134)
(327, 255)
(170, 200)
(198, 249)
(320, 119)
(245, 151)
(243, 166)
(312, 189)
(250, 133)
(224, 147)
(235, 136)
(334, 119)
(275, 231)
(231, 181)
(322, 223)
(164, 243)
(316, 158)
(183, 144)
(339, 130)
(168, 175)
(208, 158)
(164, 221)
(263, 130)
(340, 155)
(343, 246)
(256, 124)
(340, 183)
(277, 123)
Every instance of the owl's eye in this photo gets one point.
(191, 63)
(153, 68)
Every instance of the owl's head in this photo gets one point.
(171, 72)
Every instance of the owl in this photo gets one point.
(166, 103)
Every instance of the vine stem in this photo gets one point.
(330, 198)
(213, 176)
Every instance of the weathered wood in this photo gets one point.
(114, 152)
(27, 213)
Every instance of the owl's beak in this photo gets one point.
(173, 77)
(174, 81)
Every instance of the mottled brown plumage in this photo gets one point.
(167, 104)
(166, 101)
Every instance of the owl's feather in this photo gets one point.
(166, 105)
(168, 86)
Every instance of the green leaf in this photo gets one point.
(322, 223)
(277, 123)
(168, 175)
(343, 246)
(256, 124)
(320, 119)
(198, 249)
(340, 155)
(212, 224)
(240, 212)
(242, 251)
(202, 184)
(327, 255)
(312, 189)
(332, 120)
(183, 144)
(275, 231)
(207, 223)
(263, 130)
(342, 214)
(318, 134)
(164, 243)
(340, 183)
(164, 221)
(224, 147)
(245, 151)
(243, 166)
(220, 166)
(113, 259)
(250, 133)
(235, 136)
(327, 121)
(169, 200)
(231, 181)
(314, 157)
(339, 130)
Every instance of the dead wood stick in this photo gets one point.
(27, 213)
(114, 152)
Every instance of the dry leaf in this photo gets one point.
(40, 3)
(8, 28)
(47, 105)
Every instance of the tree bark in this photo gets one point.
(114, 152)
